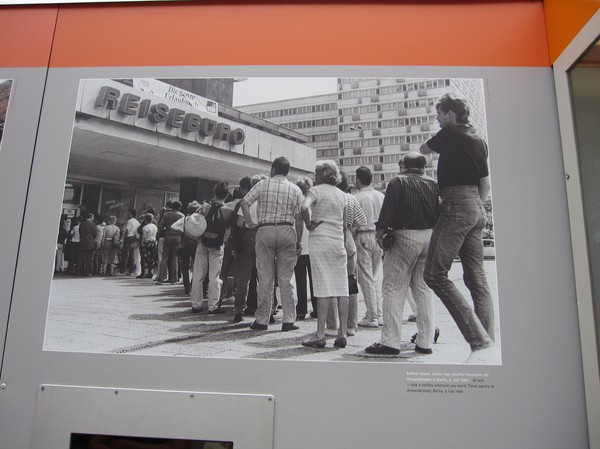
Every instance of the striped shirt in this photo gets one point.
(411, 202)
(355, 217)
(278, 200)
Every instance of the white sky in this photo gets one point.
(261, 90)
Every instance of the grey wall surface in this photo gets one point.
(16, 154)
(537, 398)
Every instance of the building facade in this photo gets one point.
(133, 148)
(373, 121)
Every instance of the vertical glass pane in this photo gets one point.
(585, 92)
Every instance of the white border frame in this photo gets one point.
(62, 410)
(587, 36)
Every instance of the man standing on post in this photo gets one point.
(368, 253)
(277, 242)
(464, 183)
(409, 212)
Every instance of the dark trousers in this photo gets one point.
(127, 255)
(85, 260)
(186, 256)
(300, 270)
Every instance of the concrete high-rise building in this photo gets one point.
(373, 121)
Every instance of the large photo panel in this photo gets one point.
(536, 307)
(145, 152)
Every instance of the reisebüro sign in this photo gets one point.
(131, 104)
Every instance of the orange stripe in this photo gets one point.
(187, 34)
(26, 36)
(564, 19)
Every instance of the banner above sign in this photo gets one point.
(176, 95)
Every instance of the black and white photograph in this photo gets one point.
(303, 219)
(5, 88)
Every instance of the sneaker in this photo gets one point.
(331, 332)
(489, 355)
(379, 349)
(258, 327)
(340, 342)
(216, 311)
(315, 343)
(351, 332)
(373, 322)
(286, 327)
(196, 309)
(421, 350)
(229, 300)
(436, 336)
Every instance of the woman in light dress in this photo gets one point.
(323, 213)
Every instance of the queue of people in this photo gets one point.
(391, 247)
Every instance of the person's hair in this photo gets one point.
(221, 190)
(451, 102)
(168, 204)
(257, 178)
(89, 216)
(133, 213)
(148, 218)
(176, 205)
(237, 194)
(304, 183)
(246, 183)
(364, 175)
(151, 210)
(280, 166)
(112, 219)
(414, 160)
(327, 172)
(343, 184)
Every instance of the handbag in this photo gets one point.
(352, 284)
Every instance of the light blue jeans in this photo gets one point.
(458, 231)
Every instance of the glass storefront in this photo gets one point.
(80, 198)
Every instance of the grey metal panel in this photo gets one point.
(187, 415)
(16, 154)
(537, 400)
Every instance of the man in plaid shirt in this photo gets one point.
(277, 241)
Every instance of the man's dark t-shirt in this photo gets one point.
(463, 156)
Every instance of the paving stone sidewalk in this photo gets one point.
(122, 314)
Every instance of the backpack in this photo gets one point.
(215, 227)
